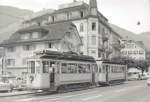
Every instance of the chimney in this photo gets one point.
(74, 0)
(93, 3)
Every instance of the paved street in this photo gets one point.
(133, 91)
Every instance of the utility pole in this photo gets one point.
(2, 65)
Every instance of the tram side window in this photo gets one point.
(45, 66)
(69, 68)
(95, 68)
(88, 69)
(104, 69)
(117, 69)
(58, 67)
(72, 68)
(32, 65)
(84, 68)
(64, 68)
(38, 67)
(112, 67)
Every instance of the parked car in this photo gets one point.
(20, 84)
(5, 86)
(148, 82)
(144, 76)
(133, 74)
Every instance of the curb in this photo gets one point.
(17, 94)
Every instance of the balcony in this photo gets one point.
(101, 48)
(108, 51)
(116, 46)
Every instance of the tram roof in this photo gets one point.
(113, 62)
(62, 56)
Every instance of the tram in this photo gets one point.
(111, 73)
(52, 70)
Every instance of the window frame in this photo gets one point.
(93, 26)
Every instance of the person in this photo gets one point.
(52, 69)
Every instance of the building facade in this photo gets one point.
(62, 37)
(115, 45)
(133, 49)
(93, 27)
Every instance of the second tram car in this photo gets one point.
(111, 72)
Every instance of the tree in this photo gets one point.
(140, 64)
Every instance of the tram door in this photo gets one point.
(107, 73)
(52, 74)
(93, 74)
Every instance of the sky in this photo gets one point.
(123, 13)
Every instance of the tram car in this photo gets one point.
(111, 72)
(54, 70)
(51, 70)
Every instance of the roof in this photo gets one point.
(140, 43)
(45, 16)
(54, 32)
(83, 6)
(33, 28)
(46, 54)
(79, 7)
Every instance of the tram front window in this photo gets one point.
(45, 66)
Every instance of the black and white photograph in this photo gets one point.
(74, 50)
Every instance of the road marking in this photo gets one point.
(125, 89)
(138, 86)
(26, 100)
(90, 98)
(121, 90)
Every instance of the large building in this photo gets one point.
(62, 37)
(133, 49)
(98, 38)
(93, 27)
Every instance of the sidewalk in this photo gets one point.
(16, 93)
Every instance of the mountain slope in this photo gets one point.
(9, 15)
(123, 32)
(145, 37)
(12, 20)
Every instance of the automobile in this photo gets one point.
(5, 86)
(144, 76)
(20, 84)
(133, 74)
(148, 82)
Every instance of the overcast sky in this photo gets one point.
(124, 13)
